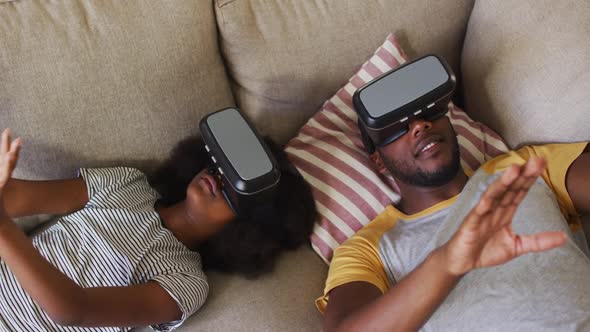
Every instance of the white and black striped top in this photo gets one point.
(117, 240)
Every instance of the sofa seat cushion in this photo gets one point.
(280, 301)
(106, 82)
(287, 57)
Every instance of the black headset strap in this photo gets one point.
(367, 142)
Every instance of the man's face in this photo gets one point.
(426, 156)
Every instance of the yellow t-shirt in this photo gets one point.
(358, 258)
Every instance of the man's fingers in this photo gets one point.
(496, 190)
(525, 189)
(539, 242)
(534, 167)
(511, 192)
(514, 188)
(503, 214)
(520, 187)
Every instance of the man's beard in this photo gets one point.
(404, 172)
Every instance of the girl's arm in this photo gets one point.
(25, 198)
(19, 198)
(66, 303)
(61, 298)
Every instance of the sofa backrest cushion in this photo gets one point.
(287, 57)
(105, 82)
(526, 70)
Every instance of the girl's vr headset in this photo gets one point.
(385, 106)
(248, 170)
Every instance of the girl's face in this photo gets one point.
(206, 202)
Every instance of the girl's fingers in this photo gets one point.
(15, 147)
(9, 152)
(4, 144)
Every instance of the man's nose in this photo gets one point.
(418, 126)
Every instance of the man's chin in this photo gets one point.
(443, 175)
(438, 164)
(432, 172)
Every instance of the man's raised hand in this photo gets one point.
(486, 238)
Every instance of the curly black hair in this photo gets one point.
(249, 245)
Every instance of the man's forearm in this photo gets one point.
(408, 305)
(50, 288)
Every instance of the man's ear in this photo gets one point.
(448, 118)
(376, 159)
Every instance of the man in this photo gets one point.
(449, 256)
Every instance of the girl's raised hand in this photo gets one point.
(8, 157)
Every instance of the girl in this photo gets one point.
(124, 252)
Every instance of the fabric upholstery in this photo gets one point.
(287, 57)
(281, 301)
(93, 83)
(99, 82)
(526, 70)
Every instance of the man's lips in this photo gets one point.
(427, 144)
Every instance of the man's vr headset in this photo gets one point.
(248, 170)
(386, 105)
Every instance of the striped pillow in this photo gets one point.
(348, 190)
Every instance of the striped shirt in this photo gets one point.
(117, 239)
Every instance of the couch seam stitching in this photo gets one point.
(8, 1)
(223, 5)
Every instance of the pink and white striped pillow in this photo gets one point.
(347, 187)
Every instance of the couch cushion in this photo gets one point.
(106, 82)
(287, 57)
(280, 301)
(526, 70)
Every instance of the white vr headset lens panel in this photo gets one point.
(241, 157)
(386, 105)
(403, 86)
(239, 144)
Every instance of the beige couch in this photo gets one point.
(104, 82)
